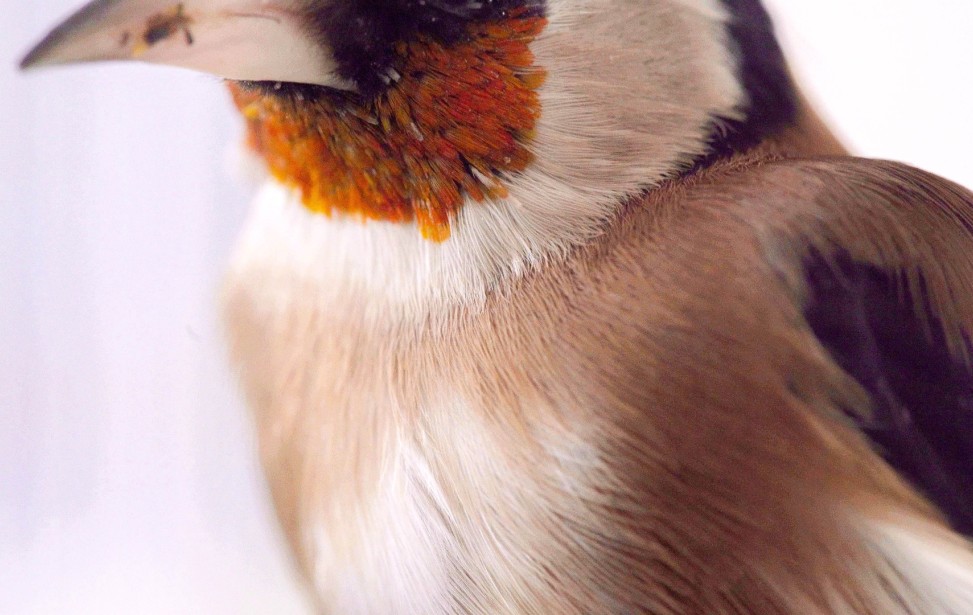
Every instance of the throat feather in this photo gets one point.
(454, 122)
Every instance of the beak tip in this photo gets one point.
(51, 49)
(38, 57)
(42, 54)
(30, 61)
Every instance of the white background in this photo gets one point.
(127, 478)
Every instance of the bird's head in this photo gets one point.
(539, 115)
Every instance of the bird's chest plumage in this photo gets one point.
(346, 461)
(381, 443)
(384, 464)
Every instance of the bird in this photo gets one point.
(577, 306)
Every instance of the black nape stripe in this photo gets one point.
(362, 34)
(762, 70)
(922, 396)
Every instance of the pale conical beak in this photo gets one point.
(255, 40)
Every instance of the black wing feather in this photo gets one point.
(922, 413)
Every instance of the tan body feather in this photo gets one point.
(647, 425)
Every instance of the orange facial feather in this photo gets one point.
(453, 125)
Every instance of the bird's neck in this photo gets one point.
(514, 145)
(452, 123)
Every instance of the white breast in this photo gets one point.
(364, 468)
(401, 545)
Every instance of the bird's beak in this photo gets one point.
(256, 40)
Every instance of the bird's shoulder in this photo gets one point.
(870, 262)
(864, 266)
(796, 223)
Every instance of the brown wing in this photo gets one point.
(881, 256)
(921, 419)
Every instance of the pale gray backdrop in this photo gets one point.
(127, 478)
